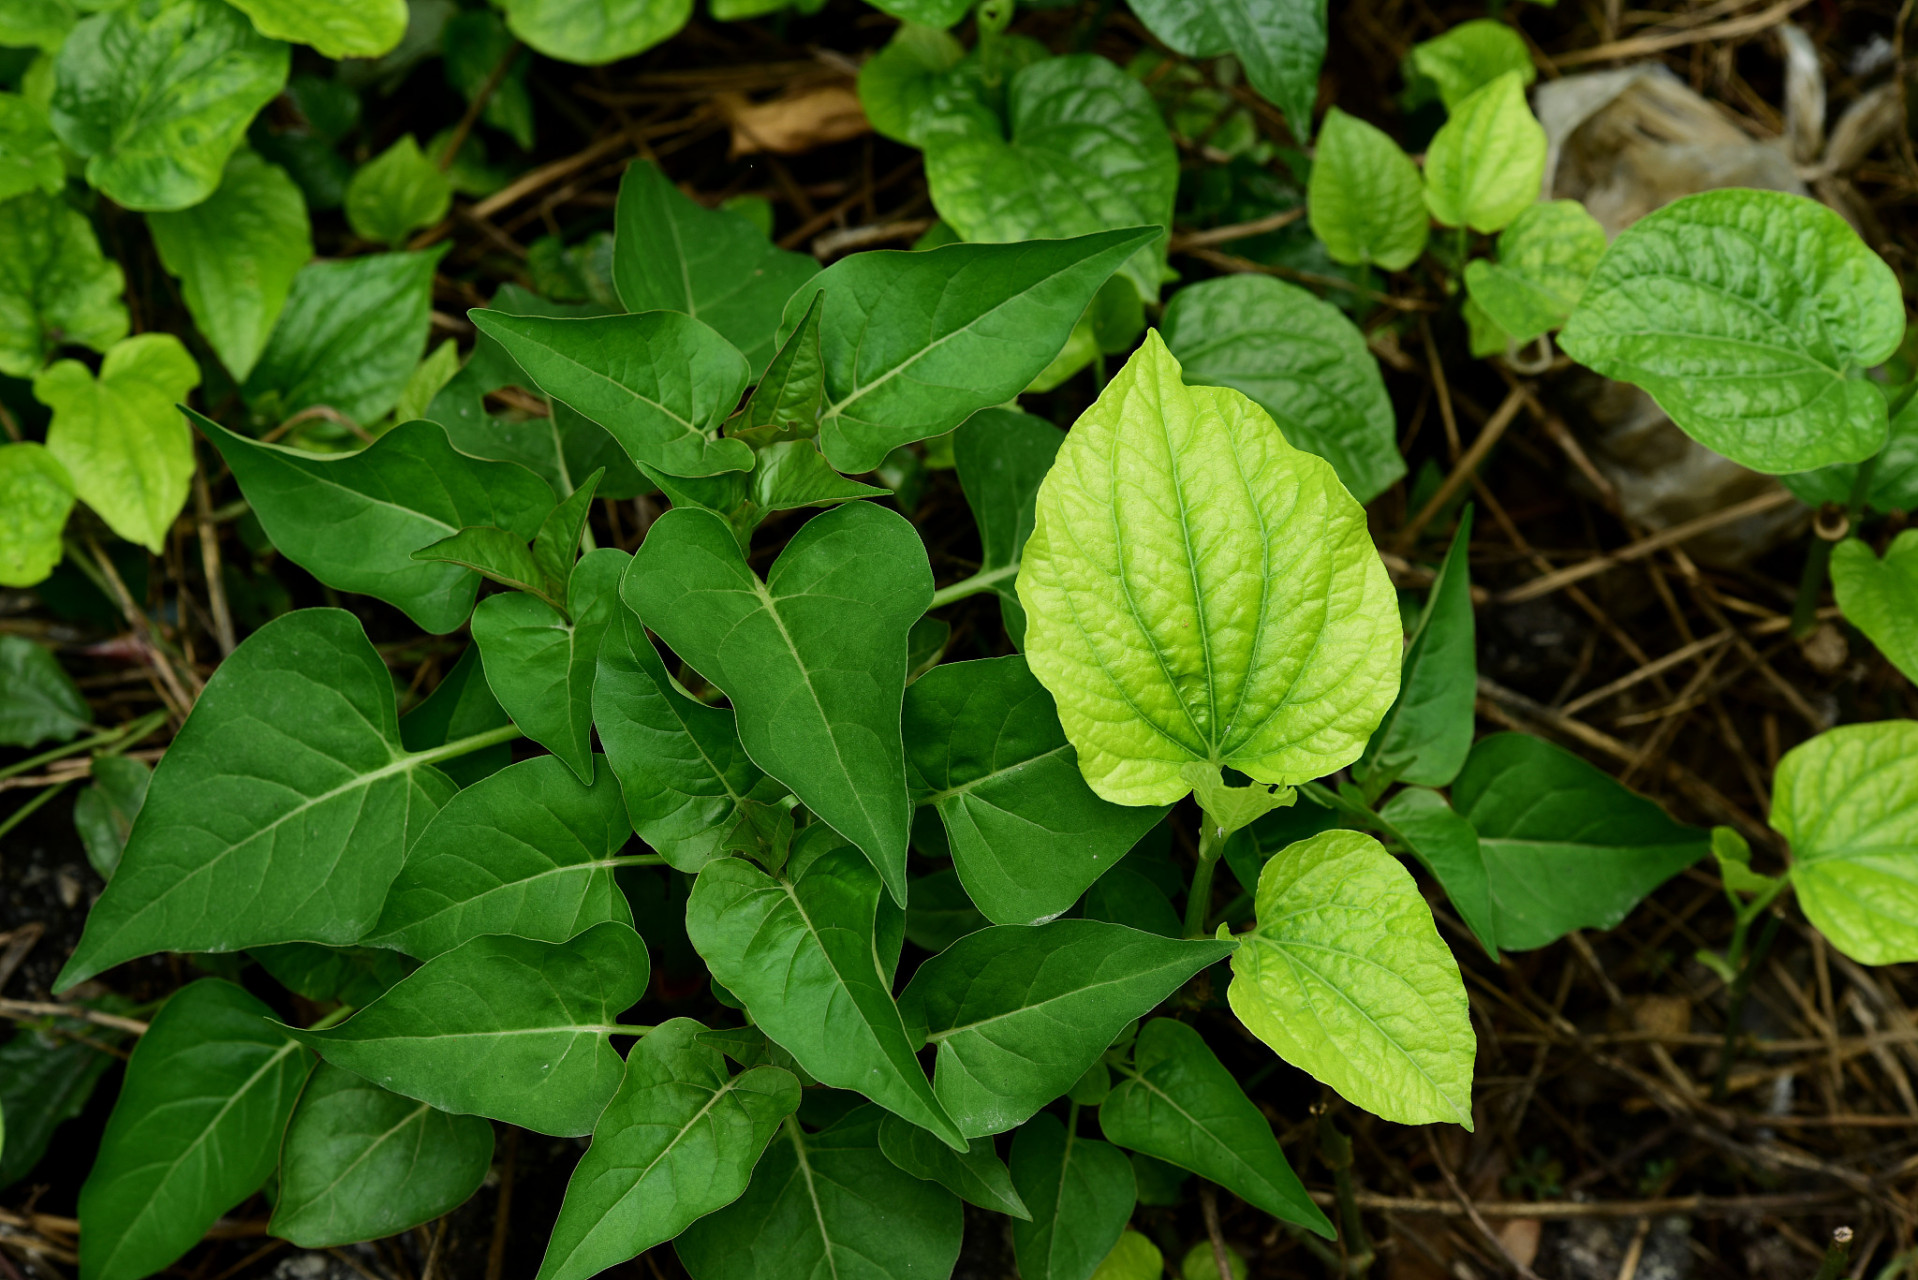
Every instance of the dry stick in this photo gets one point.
(1657, 666)
(143, 632)
(1209, 1204)
(1707, 597)
(210, 562)
(502, 1213)
(18, 943)
(1188, 240)
(465, 127)
(25, 1009)
(1241, 266)
(1468, 465)
(1471, 1210)
(1441, 389)
(1640, 46)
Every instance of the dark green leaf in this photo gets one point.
(397, 192)
(196, 1129)
(355, 976)
(677, 1142)
(1178, 1103)
(1280, 42)
(556, 546)
(360, 1162)
(813, 658)
(38, 700)
(939, 913)
(497, 555)
(1124, 896)
(508, 1028)
(281, 812)
(104, 813)
(1424, 738)
(1001, 456)
(987, 752)
(1018, 1012)
(1448, 846)
(805, 960)
(529, 851)
(45, 1081)
(786, 401)
(1894, 479)
(915, 342)
(1081, 1194)
(976, 1175)
(459, 707)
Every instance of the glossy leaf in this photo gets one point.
(679, 762)
(349, 337)
(196, 1129)
(986, 751)
(976, 1175)
(1200, 591)
(1300, 360)
(236, 254)
(1178, 1103)
(36, 496)
(1468, 57)
(508, 1028)
(541, 665)
(120, 436)
(1566, 847)
(103, 814)
(1086, 151)
(915, 343)
(677, 1142)
(802, 957)
(595, 31)
(337, 28)
(813, 658)
(29, 153)
(38, 699)
(360, 1162)
(1280, 43)
(156, 96)
(1440, 838)
(281, 812)
(1427, 734)
(529, 851)
(1880, 597)
(1365, 197)
(1747, 315)
(1485, 164)
(1545, 260)
(396, 193)
(828, 1204)
(55, 286)
(672, 254)
(1080, 1192)
(1848, 802)
(1001, 457)
(923, 85)
(46, 1080)
(1346, 978)
(354, 520)
(1017, 1013)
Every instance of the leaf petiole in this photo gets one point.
(1199, 896)
(124, 736)
(984, 580)
(465, 746)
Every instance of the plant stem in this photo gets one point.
(626, 1029)
(984, 580)
(1336, 1149)
(465, 746)
(126, 735)
(1811, 584)
(26, 810)
(640, 860)
(1735, 1007)
(1199, 896)
(1836, 1256)
(332, 1019)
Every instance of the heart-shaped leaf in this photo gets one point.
(1485, 165)
(1279, 42)
(337, 28)
(1467, 57)
(36, 496)
(595, 31)
(1877, 595)
(55, 285)
(1365, 196)
(1545, 259)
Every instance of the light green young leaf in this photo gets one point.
(1365, 198)
(914, 343)
(595, 31)
(672, 254)
(813, 657)
(976, 1176)
(1880, 597)
(1487, 162)
(1483, 336)
(540, 665)
(426, 381)
(1088, 151)
(1733, 854)
(678, 761)
(196, 1129)
(1200, 591)
(336, 28)
(29, 153)
(507, 1028)
(985, 749)
(396, 193)
(678, 1141)
(103, 814)
(1001, 456)
(1017, 1013)
(1346, 977)
(236, 255)
(359, 1162)
(828, 1204)
(157, 95)
(121, 436)
(1178, 1103)
(349, 337)
(1468, 57)
(1300, 360)
(36, 24)
(354, 520)
(1848, 802)
(661, 382)
(1427, 734)
(55, 286)
(1448, 845)
(38, 699)
(1080, 1192)
(932, 13)
(803, 958)
(1748, 316)
(529, 851)
(1894, 477)
(1135, 1257)
(1279, 42)
(36, 496)
(1545, 260)
(1566, 847)
(284, 813)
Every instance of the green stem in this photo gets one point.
(626, 1029)
(1339, 804)
(1735, 1007)
(1836, 1255)
(1336, 1148)
(984, 580)
(641, 860)
(465, 746)
(26, 810)
(1811, 584)
(1199, 896)
(333, 1019)
(125, 736)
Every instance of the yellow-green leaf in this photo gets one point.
(1486, 164)
(36, 493)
